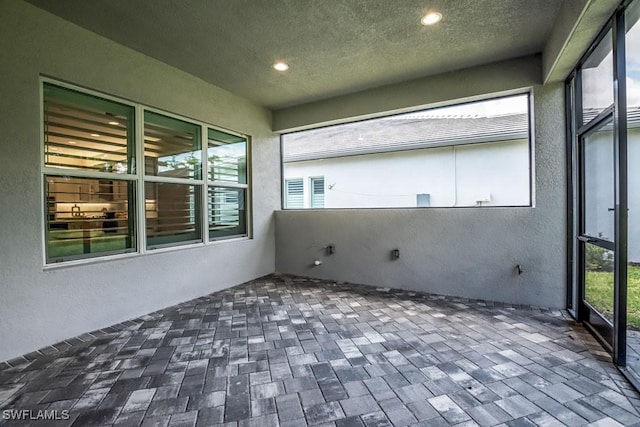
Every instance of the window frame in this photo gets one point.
(531, 188)
(138, 177)
(286, 192)
(196, 182)
(213, 184)
(312, 181)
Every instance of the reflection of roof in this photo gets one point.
(633, 117)
(397, 133)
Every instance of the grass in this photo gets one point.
(599, 293)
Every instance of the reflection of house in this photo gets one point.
(409, 161)
(599, 199)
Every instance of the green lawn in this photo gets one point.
(599, 293)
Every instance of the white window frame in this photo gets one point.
(312, 181)
(139, 178)
(286, 192)
(209, 183)
(197, 183)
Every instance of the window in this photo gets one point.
(89, 182)
(294, 194)
(597, 74)
(173, 185)
(98, 203)
(317, 192)
(469, 155)
(227, 184)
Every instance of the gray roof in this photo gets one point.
(399, 133)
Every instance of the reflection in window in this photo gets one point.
(227, 213)
(84, 132)
(227, 184)
(88, 217)
(597, 75)
(632, 44)
(598, 184)
(633, 137)
(598, 281)
(172, 213)
(95, 213)
(171, 147)
(227, 155)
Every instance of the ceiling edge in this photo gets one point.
(577, 24)
(466, 85)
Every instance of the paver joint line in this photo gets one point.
(291, 351)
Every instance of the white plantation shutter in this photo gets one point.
(317, 192)
(294, 194)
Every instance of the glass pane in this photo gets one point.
(227, 155)
(472, 154)
(87, 217)
(599, 184)
(597, 80)
(173, 213)
(171, 147)
(633, 138)
(84, 132)
(317, 192)
(227, 213)
(598, 282)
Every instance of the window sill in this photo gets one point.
(108, 258)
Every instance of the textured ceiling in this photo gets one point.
(333, 47)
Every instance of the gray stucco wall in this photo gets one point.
(468, 252)
(468, 84)
(41, 306)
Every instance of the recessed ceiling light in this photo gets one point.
(280, 66)
(96, 135)
(72, 142)
(431, 18)
(112, 123)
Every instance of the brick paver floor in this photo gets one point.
(289, 351)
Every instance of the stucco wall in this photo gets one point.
(468, 252)
(41, 306)
(469, 84)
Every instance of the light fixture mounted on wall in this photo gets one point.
(431, 18)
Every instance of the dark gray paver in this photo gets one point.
(291, 351)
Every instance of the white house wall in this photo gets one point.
(600, 187)
(633, 244)
(40, 306)
(452, 176)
